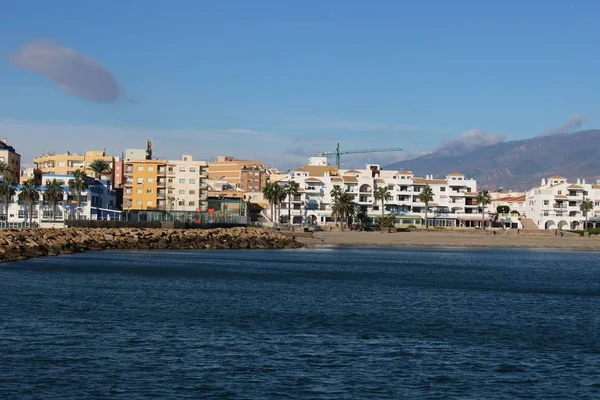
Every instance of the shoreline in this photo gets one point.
(452, 239)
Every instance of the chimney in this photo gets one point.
(543, 182)
(583, 181)
(5, 140)
(578, 181)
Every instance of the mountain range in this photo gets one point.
(516, 165)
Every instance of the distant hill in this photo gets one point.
(519, 164)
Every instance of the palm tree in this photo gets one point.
(484, 198)
(7, 192)
(99, 168)
(586, 206)
(426, 196)
(269, 195)
(78, 184)
(291, 189)
(3, 168)
(30, 193)
(335, 193)
(279, 194)
(344, 207)
(54, 193)
(382, 194)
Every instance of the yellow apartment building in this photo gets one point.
(67, 163)
(12, 159)
(145, 185)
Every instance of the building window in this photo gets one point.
(192, 192)
(181, 191)
(170, 169)
(139, 203)
(443, 189)
(140, 180)
(170, 191)
(191, 203)
(61, 163)
(192, 169)
(181, 169)
(150, 180)
(149, 191)
(192, 181)
(545, 213)
(546, 202)
(170, 180)
(149, 202)
(150, 168)
(139, 191)
(560, 192)
(182, 180)
(140, 167)
(181, 203)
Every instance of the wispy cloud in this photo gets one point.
(575, 121)
(69, 70)
(31, 139)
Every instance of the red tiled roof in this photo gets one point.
(350, 179)
(313, 180)
(455, 174)
(421, 181)
(574, 187)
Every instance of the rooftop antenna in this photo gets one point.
(148, 149)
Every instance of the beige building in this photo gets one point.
(67, 163)
(186, 184)
(12, 159)
(249, 176)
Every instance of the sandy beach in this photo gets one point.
(450, 239)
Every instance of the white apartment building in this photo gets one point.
(97, 202)
(515, 201)
(555, 203)
(454, 197)
(186, 185)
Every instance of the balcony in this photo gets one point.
(559, 206)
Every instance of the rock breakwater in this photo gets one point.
(22, 244)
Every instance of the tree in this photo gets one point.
(54, 193)
(503, 209)
(7, 193)
(586, 206)
(382, 193)
(344, 207)
(335, 193)
(3, 168)
(279, 196)
(269, 195)
(291, 190)
(426, 196)
(387, 221)
(78, 184)
(30, 193)
(484, 198)
(99, 168)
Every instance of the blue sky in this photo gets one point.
(280, 80)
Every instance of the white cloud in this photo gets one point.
(575, 121)
(470, 140)
(69, 70)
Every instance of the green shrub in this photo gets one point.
(411, 227)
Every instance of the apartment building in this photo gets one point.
(67, 163)
(186, 184)
(144, 186)
(249, 176)
(555, 204)
(454, 197)
(166, 185)
(12, 160)
(118, 168)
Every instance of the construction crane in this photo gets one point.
(337, 152)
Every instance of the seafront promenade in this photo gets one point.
(470, 238)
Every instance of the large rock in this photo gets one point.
(20, 244)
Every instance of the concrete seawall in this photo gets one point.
(22, 244)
